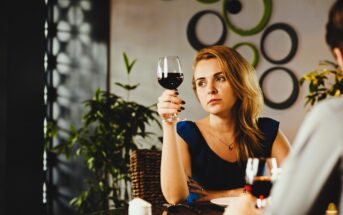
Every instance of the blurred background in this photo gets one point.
(56, 53)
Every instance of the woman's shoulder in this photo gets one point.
(185, 128)
(185, 124)
(269, 127)
(268, 124)
(189, 132)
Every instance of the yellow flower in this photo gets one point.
(332, 207)
(338, 92)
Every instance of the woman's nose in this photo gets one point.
(211, 89)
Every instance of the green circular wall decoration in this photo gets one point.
(260, 25)
(253, 48)
(208, 1)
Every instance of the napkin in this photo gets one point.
(138, 206)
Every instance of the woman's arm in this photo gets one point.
(280, 147)
(207, 195)
(175, 166)
(175, 161)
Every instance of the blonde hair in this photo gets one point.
(242, 77)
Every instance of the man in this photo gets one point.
(313, 172)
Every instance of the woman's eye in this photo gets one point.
(221, 78)
(201, 83)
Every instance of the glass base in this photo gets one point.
(172, 118)
(262, 203)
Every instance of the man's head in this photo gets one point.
(334, 31)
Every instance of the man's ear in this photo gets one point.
(339, 57)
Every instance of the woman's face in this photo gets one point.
(214, 91)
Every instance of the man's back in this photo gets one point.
(315, 159)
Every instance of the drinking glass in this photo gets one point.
(170, 76)
(260, 175)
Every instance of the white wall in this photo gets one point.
(151, 28)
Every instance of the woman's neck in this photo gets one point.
(221, 124)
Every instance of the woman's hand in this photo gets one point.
(207, 195)
(169, 103)
(244, 205)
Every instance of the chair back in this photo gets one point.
(145, 176)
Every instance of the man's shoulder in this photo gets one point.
(333, 102)
(329, 108)
(326, 117)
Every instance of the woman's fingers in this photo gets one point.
(170, 99)
(167, 107)
(193, 184)
(195, 187)
(170, 96)
(169, 103)
(197, 190)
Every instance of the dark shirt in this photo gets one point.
(211, 171)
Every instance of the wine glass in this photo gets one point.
(260, 175)
(170, 76)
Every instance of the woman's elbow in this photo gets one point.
(174, 197)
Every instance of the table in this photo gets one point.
(196, 209)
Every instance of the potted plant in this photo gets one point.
(326, 81)
(105, 140)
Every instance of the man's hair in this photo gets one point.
(334, 27)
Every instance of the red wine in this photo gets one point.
(172, 81)
(261, 186)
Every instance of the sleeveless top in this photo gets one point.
(211, 171)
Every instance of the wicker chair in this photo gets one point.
(145, 175)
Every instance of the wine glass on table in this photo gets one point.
(260, 175)
(170, 76)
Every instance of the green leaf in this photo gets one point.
(131, 65)
(126, 86)
(301, 81)
(128, 65)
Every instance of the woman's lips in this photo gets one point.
(213, 101)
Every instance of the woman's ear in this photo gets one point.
(339, 56)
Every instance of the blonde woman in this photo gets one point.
(206, 159)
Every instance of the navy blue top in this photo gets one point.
(211, 171)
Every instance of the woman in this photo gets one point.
(206, 159)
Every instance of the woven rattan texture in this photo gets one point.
(145, 175)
